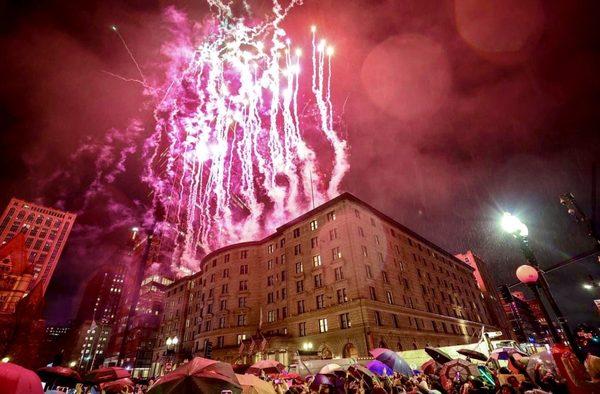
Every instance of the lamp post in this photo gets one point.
(529, 276)
(512, 225)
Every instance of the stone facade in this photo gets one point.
(337, 281)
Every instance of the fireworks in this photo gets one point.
(230, 157)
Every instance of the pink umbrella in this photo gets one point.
(268, 366)
(15, 379)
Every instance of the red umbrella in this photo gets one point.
(429, 367)
(268, 366)
(59, 375)
(200, 375)
(107, 374)
(15, 379)
(117, 386)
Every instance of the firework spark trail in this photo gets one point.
(229, 159)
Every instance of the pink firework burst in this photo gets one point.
(230, 157)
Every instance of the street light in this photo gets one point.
(588, 286)
(513, 225)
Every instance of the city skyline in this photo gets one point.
(435, 163)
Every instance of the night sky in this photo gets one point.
(453, 111)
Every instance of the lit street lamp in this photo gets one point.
(514, 226)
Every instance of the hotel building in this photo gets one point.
(335, 282)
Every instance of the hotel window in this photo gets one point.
(284, 312)
(372, 222)
(281, 242)
(389, 296)
(314, 224)
(299, 286)
(395, 321)
(244, 269)
(283, 293)
(378, 321)
(318, 281)
(357, 213)
(242, 302)
(339, 273)
(220, 341)
(299, 268)
(224, 288)
(223, 305)
(333, 234)
(270, 248)
(241, 321)
(298, 249)
(361, 232)
(314, 242)
(380, 257)
(377, 240)
(271, 316)
(207, 325)
(270, 280)
(320, 301)
(368, 270)
(270, 264)
(240, 338)
(336, 253)
(372, 293)
(330, 216)
(244, 254)
(300, 306)
(345, 320)
(211, 293)
(316, 260)
(243, 285)
(296, 232)
(384, 277)
(302, 329)
(226, 273)
(283, 276)
(282, 259)
(226, 258)
(323, 325)
(341, 296)
(364, 250)
(270, 298)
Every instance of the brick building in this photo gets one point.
(489, 291)
(335, 282)
(45, 230)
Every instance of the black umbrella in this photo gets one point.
(473, 354)
(438, 355)
(62, 376)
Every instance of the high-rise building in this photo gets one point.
(489, 291)
(46, 231)
(97, 315)
(339, 280)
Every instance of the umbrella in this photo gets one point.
(268, 366)
(379, 368)
(541, 363)
(15, 379)
(59, 375)
(199, 376)
(473, 354)
(457, 370)
(504, 353)
(438, 355)
(322, 379)
(429, 367)
(330, 368)
(252, 384)
(117, 386)
(107, 374)
(392, 360)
